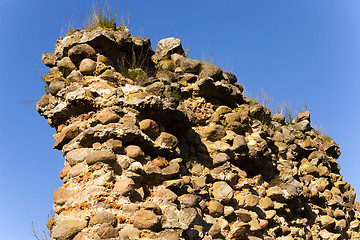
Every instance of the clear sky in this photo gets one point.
(296, 51)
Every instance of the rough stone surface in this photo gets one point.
(222, 191)
(67, 229)
(66, 136)
(107, 116)
(149, 127)
(125, 187)
(172, 149)
(66, 66)
(166, 140)
(106, 231)
(145, 219)
(166, 47)
(104, 217)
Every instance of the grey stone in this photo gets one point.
(302, 126)
(77, 156)
(278, 117)
(49, 59)
(129, 233)
(238, 230)
(187, 217)
(166, 140)
(75, 77)
(243, 215)
(135, 152)
(165, 195)
(56, 86)
(104, 156)
(156, 88)
(77, 170)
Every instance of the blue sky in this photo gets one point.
(296, 51)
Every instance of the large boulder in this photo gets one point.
(166, 47)
(81, 51)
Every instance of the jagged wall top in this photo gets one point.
(160, 146)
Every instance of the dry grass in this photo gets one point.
(104, 16)
(285, 108)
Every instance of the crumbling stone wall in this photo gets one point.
(160, 146)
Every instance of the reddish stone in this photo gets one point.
(160, 162)
(66, 136)
(64, 171)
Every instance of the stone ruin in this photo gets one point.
(161, 146)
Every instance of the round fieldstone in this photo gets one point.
(77, 170)
(243, 215)
(150, 128)
(145, 219)
(67, 229)
(87, 66)
(104, 156)
(275, 193)
(125, 187)
(134, 152)
(106, 116)
(129, 232)
(62, 195)
(66, 66)
(165, 195)
(77, 156)
(106, 231)
(104, 217)
(266, 203)
(56, 86)
(81, 51)
(64, 171)
(75, 77)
